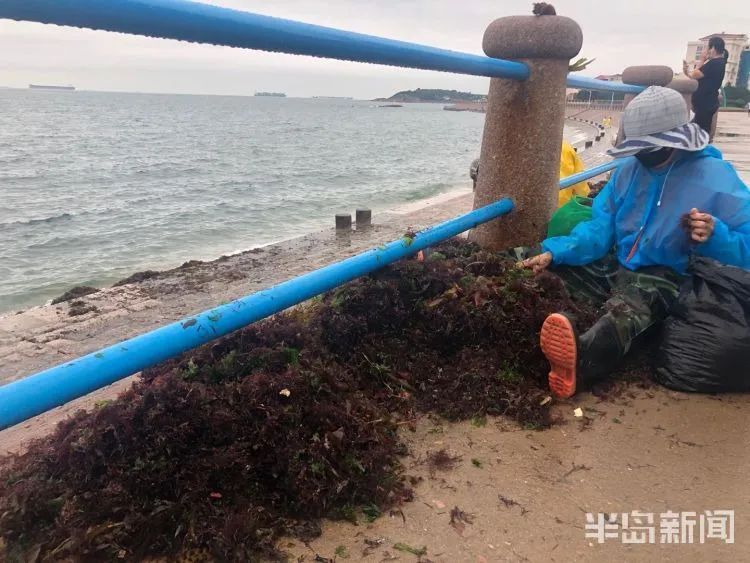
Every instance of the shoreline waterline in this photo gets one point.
(379, 215)
(189, 185)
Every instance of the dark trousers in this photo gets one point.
(704, 118)
(633, 302)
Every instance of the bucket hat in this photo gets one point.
(658, 118)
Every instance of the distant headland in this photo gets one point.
(425, 95)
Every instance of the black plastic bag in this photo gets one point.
(706, 340)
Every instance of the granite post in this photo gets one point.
(523, 128)
(685, 86)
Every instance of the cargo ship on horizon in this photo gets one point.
(51, 87)
(269, 95)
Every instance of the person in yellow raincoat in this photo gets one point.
(571, 163)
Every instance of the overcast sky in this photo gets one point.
(618, 34)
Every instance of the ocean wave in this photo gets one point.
(50, 219)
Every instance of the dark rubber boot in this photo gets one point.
(576, 361)
(598, 351)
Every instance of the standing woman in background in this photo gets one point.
(710, 74)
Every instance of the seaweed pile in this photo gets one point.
(275, 426)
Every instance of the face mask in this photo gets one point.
(654, 158)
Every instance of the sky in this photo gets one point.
(618, 34)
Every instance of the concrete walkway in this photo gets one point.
(733, 138)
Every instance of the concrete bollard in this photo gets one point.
(644, 75)
(364, 218)
(589, 144)
(343, 222)
(685, 86)
(523, 128)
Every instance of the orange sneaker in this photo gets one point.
(560, 344)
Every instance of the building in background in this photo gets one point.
(570, 94)
(736, 44)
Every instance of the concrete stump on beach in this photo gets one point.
(523, 128)
(643, 75)
(343, 222)
(364, 218)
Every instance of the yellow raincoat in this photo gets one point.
(570, 163)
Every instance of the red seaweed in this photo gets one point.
(265, 431)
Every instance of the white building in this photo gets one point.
(735, 43)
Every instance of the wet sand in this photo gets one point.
(527, 493)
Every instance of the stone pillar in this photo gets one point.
(685, 86)
(523, 128)
(645, 75)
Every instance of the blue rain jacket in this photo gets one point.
(640, 211)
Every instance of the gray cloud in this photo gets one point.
(618, 34)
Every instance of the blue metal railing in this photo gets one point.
(189, 21)
(203, 23)
(38, 393)
(585, 83)
(591, 173)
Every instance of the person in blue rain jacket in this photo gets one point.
(675, 199)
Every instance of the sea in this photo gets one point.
(95, 186)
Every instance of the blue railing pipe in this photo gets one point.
(573, 179)
(38, 393)
(204, 23)
(585, 83)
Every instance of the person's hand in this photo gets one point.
(538, 263)
(704, 56)
(701, 225)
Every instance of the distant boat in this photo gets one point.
(332, 98)
(47, 87)
(269, 95)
